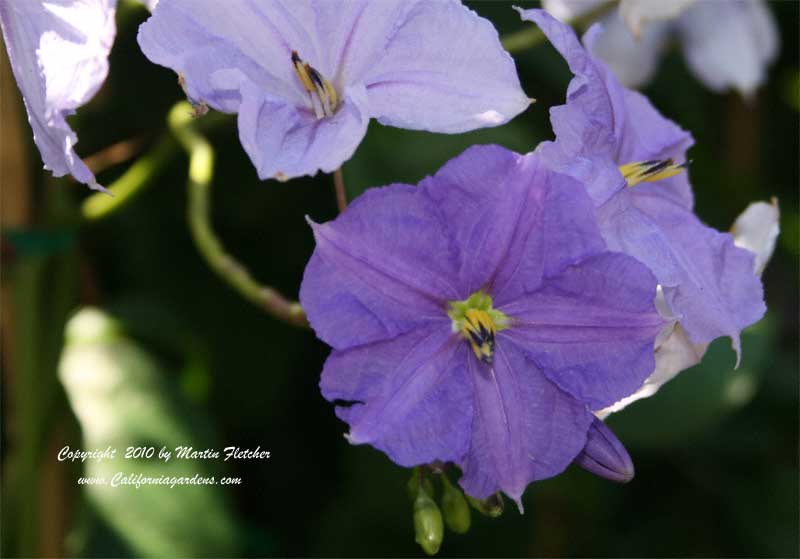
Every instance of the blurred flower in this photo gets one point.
(478, 318)
(306, 76)
(59, 55)
(616, 142)
(726, 43)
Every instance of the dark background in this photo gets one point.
(188, 361)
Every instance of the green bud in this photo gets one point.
(428, 526)
(455, 507)
(491, 507)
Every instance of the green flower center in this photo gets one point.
(478, 323)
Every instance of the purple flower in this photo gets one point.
(478, 318)
(59, 55)
(630, 158)
(306, 76)
(726, 43)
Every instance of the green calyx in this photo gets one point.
(478, 301)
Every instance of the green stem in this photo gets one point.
(201, 172)
(532, 36)
(132, 183)
(141, 174)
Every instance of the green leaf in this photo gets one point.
(122, 399)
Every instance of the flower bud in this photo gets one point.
(492, 506)
(604, 455)
(428, 527)
(455, 507)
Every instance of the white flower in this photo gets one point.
(726, 43)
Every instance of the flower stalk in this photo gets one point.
(341, 192)
(201, 173)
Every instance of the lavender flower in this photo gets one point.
(631, 159)
(478, 319)
(755, 230)
(59, 56)
(726, 43)
(306, 76)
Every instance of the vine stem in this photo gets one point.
(201, 172)
(142, 173)
(338, 187)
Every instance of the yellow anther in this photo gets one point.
(332, 95)
(302, 71)
(324, 98)
(650, 171)
(479, 330)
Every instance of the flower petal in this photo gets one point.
(59, 56)
(409, 396)
(501, 209)
(236, 57)
(729, 44)
(355, 34)
(592, 328)
(714, 289)
(525, 428)
(603, 125)
(380, 268)
(757, 230)
(676, 354)
(284, 142)
(636, 13)
(219, 46)
(384, 59)
(150, 4)
(632, 60)
(478, 196)
(566, 10)
(593, 101)
(444, 70)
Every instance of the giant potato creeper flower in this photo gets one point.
(306, 76)
(631, 159)
(478, 319)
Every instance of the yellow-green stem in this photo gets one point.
(201, 172)
(141, 174)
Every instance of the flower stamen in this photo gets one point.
(650, 171)
(323, 95)
(479, 330)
